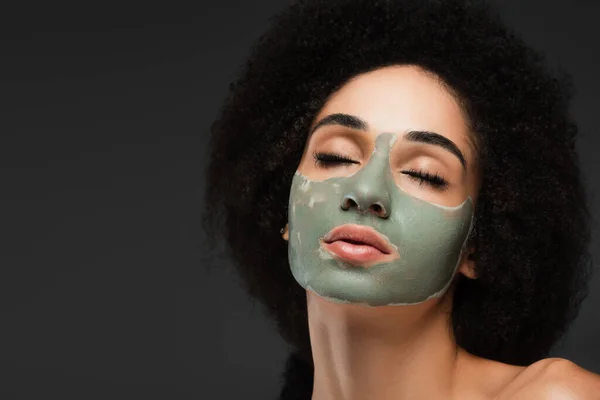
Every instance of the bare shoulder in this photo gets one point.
(553, 378)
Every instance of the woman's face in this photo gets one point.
(389, 159)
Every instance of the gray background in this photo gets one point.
(104, 113)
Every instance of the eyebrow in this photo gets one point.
(426, 137)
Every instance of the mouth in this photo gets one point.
(358, 243)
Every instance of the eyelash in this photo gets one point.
(330, 160)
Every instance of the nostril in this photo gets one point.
(364, 206)
(379, 210)
(348, 203)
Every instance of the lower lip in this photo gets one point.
(354, 252)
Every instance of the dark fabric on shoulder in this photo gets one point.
(297, 379)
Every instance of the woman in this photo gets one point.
(421, 161)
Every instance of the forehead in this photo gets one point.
(400, 98)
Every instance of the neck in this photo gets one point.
(390, 352)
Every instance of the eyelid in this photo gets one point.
(343, 141)
(426, 155)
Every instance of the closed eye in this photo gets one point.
(423, 177)
(330, 160)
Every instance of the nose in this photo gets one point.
(367, 201)
(368, 191)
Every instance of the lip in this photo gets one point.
(357, 243)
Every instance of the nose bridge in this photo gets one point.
(368, 189)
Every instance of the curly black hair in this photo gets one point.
(532, 221)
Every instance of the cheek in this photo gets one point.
(452, 196)
(319, 173)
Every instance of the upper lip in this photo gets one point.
(359, 233)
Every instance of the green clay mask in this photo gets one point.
(428, 238)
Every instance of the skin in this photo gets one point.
(408, 351)
(427, 239)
